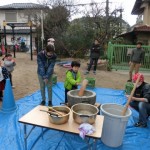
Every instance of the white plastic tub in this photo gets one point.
(114, 124)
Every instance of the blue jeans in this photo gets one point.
(143, 108)
(43, 86)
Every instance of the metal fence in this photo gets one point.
(119, 56)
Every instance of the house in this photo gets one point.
(19, 15)
(140, 31)
(142, 7)
(137, 33)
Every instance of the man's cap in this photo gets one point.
(51, 39)
(135, 77)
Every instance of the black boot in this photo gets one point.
(42, 103)
(66, 101)
(50, 103)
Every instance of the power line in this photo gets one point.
(94, 3)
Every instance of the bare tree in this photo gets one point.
(96, 19)
(106, 23)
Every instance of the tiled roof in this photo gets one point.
(142, 28)
(19, 31)
(137, 10)
(22, 6)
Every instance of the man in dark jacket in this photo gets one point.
(94, 56)
(141, 100)
(46, 61)
(137, 56)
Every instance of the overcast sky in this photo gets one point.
(127, 5)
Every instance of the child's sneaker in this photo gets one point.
(140, 124)
(94, 72)
(13, 87)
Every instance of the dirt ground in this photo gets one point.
(26, 82)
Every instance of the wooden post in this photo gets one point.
(131, 95)
(30, 25)
(4, 25)
(13, 32)
(83, 87)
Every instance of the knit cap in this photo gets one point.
(135, 77)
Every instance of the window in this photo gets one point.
(11, 16)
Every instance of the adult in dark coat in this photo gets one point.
(94, 56)
(137, 56)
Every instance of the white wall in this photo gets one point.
(2, 17)
(21, 18)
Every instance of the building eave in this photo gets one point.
(23, 6)
(18, 31)
(137, 10)
(136, 29)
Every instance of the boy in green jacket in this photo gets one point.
(73, 78)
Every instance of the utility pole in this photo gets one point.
(42, 29)
(107, 17)
(4, 25)
(121, 10)
(107, 8)
(120, 23)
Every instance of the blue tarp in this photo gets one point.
(12, 134)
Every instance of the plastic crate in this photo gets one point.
(91, 82)
(128, 87)
(54, 79)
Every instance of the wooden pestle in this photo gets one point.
(131, 95)
(58, 112)
(51, 112)
(83, 87)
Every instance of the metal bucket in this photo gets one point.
(84, 113)
(56, 119)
